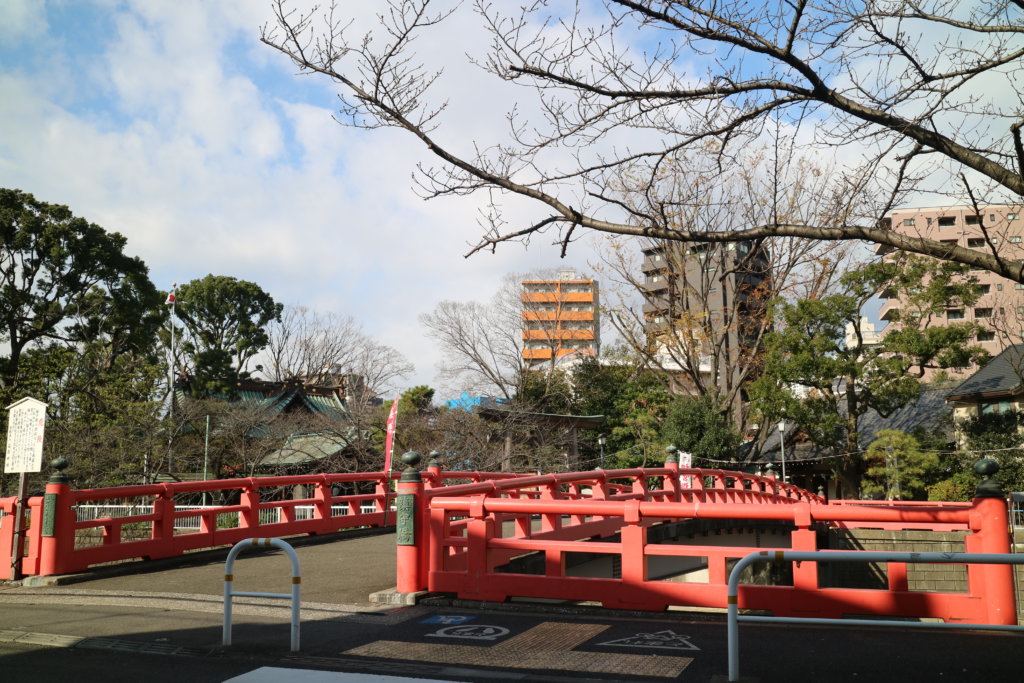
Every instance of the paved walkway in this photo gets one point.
(344, 568)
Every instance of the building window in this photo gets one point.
(1015, 239)
(946, 221)
(986, 335)
(975, 242)
(991, 218)
(1020, 310)
(953, 242)
(983, 289)
(990, 408)
(908, 221)
(971, 219)
(982, 312)
(1011, 216)
(1018, 285)
(955, 314)
(999, 288)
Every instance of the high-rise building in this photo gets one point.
(1000, 307)
(704, 308)
(561, 318)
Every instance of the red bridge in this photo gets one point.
(627, 538)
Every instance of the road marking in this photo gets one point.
(546, 646)
(472, 632)
(450, 619)
(659, 640)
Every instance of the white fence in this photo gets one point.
(267, 515)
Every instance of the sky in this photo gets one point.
(170, 123)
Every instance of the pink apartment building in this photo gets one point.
(1000, 309)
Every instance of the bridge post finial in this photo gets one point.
(59, 464)
(988, 487)
(435, 459)
(434, 469)
(410, 473)
(671, 454)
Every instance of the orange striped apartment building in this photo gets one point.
(561, 319)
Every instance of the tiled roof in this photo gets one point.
(929, 411)
(1000, 376)
(302, 449)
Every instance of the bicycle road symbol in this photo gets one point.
(660, 640)
(471, 632)
(449, 619)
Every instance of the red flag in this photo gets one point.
(389, 440)
(170, 298)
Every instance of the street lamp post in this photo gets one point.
(782, 446)
(601, 441)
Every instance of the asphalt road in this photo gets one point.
(166, 625)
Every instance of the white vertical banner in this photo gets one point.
(686, 461)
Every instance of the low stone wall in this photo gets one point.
(946, 578)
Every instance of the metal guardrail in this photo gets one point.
(86, 513)
(850, 556)
(229, 579)
(1017, 509)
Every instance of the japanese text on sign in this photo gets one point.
(26, 423)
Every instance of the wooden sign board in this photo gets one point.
(26, 423)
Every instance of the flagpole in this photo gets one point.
(172, 300)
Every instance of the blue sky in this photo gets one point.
(168, 121)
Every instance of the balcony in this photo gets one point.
(889, 311)
(529, 316)
(547, 354)
(552, 335)
(555, 297)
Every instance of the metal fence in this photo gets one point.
(86, 513)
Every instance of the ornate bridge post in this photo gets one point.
(672, 464)
(58, 523)
(990, 527)
(409, 534)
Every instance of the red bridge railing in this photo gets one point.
(490, 536)
(159, 524)
(466, 536)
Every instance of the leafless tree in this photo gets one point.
(483, 343)
(325, 348)
(914, 97)
(698, 312)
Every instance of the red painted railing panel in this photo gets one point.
(64, 552)
(466, 531)
(463, 554)
(7, 524)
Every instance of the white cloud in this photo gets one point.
(21, 20)
(179, 132)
